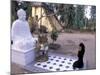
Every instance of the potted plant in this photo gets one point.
(42, 47)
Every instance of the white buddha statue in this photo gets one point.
(21, 35)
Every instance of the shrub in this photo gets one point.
(54, 35)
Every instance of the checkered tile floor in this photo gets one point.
(56, 63)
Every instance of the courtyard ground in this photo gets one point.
(69, 44)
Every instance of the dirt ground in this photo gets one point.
(69, 44)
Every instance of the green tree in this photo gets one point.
(80, 16)
(92, 22)
(93, 12)
(67, 13)
(14, 8)
(71, 15)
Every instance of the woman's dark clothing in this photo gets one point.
(79, 63)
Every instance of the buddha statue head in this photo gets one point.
(21, 14)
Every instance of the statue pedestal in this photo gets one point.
(23, 57)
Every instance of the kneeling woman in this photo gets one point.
(79, 63)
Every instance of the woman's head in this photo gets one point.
(81, 46)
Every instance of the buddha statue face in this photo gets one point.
(21, 14)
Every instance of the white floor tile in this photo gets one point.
(57, 63)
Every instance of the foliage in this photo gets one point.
(93, 17)
(42, 29)
(42, 38)
(54, 35)
(71, 16)
(93, 12)
(79, 16)
(15, 7)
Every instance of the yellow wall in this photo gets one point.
(44, 21)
